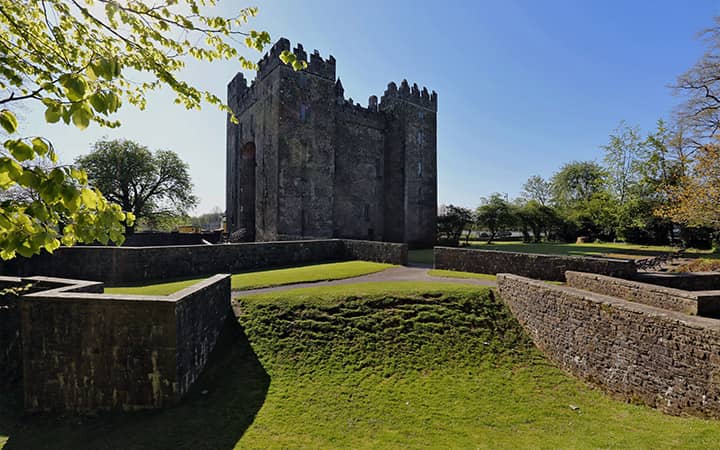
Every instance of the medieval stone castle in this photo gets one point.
(304, 162)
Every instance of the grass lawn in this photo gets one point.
(613, 250)
(402, 365)
(267, 278)
(456, 274)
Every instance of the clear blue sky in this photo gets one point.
(523, 86)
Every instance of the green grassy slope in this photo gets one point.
(402, 365)
(267, 278)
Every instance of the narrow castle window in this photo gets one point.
(303, 112)
(420, 168)
(420, 137)
(421, 115)
(367, 212)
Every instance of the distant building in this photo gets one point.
(304, 162)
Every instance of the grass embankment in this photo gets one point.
(267, 278)
(612, 250)
(456, 274)
(401, 365)
(427, 365)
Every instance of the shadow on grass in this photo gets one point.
(214, 415)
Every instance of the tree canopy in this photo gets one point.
(144, 183)
(79, 60)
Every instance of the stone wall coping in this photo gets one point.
(228, 244)
(66, 292)
(479, 250)
(697, 322)
(692, 295)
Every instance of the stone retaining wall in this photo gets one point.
(87, 352)
(543, 267)
(118, 265)
(665, 359)
(701, 303)
(691, 281)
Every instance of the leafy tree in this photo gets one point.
(80, 59)
(624, 155)
(538, 189)
(535, 217)
(577, 182)
(452, 223)
(151, 186)
(209, 221)
(494, 214)
(696, 200)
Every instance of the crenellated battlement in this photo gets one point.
(410, 94)
(324, 68)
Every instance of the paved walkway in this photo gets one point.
(393, 274)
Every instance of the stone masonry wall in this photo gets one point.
(117, 265)
(695, 281)
(665, 359)
(384, 252)
(542, 267)
(702, 303)
(84, 353)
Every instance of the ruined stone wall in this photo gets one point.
(702, 303)
(542, 267)
(359, 205)
(665, 359)
(118, 265)
(91, 352)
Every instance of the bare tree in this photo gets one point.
(700, 112)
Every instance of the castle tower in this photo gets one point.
(410, 164)
(304, 162)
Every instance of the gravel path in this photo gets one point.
(402, 273)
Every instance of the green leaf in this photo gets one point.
(98, 102)
(8, 121)
(20, 150)
(89, 198)
(40, 146)
(53, 113)
(81, 117)
(75, 87)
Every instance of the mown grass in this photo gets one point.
(267, 278)
(418, 365)
(391, 365)
(613, 250)
(456, 274)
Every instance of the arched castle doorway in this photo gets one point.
(247, 190)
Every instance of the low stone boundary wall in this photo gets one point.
(118, 265)
(701, 303)
(694, 281)
(543, 267)
(665, 359)
(383, 252)
(86, 352)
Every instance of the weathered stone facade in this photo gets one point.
(304, 162)
(83, 351)
(666, 359)
(542, 267)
